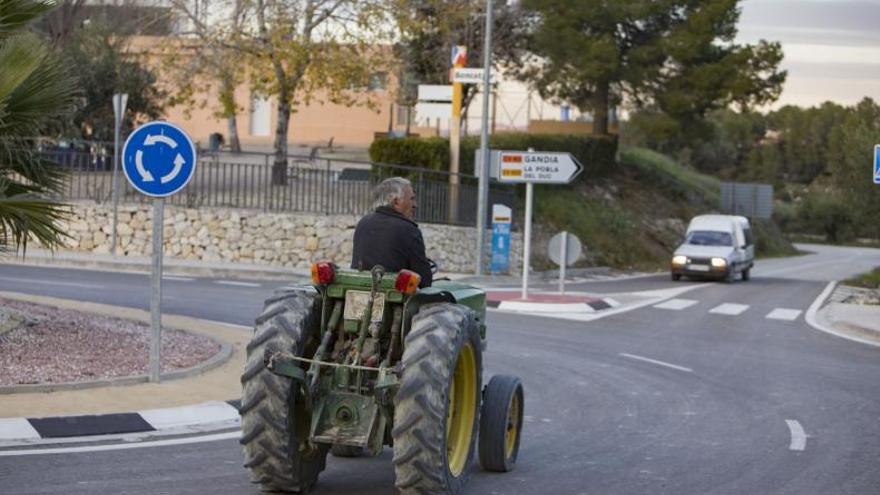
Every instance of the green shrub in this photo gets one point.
(869, 280)
(826, 215)
(597, 154)
(430, 153)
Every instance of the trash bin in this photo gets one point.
(214, 141)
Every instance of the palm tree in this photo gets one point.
(36, 90)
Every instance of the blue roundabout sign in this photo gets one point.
(158, 159)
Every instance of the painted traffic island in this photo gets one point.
(547, 302)
(44, 348)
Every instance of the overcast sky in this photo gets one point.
(832, 47)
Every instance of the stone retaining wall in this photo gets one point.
(249, 236)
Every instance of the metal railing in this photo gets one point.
(309, 184)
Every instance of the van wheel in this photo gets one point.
(676, 277)
(746, 274)
(730, 276)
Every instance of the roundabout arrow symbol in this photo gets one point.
(178, 165)
(146, 176)
(152, 139)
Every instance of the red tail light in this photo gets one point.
(323, 273)
(407, 281)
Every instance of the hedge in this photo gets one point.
(597, 154)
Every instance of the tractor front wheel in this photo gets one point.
(501, 423)
(437, 407)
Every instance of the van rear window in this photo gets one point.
(709, 238)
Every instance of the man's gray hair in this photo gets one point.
(388, 190)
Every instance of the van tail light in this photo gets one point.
(323, 273)
(407, 281)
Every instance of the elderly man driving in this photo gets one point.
(388, 236)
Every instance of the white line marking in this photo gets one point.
(654, 361)
(52, 282)
(729, 309)
(237, 284)
(16, 428)
(676, 304)
(126, 446)
(177, 279)
(798, 437)
(174, 417)
(783, 314)
(531, 307)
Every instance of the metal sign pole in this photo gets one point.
(483, 184)
(527, 239)
(119, 102)
(563, 255)
(156, 297)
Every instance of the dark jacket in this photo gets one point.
(388, 238)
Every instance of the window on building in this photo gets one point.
(261, 116)
(377, 81)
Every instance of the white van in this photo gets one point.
(718, 246)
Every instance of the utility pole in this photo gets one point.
(459, 59)
(483, 187)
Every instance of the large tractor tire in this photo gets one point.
(437, 407)
(501, 423)
(274, 419)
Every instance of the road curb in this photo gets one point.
(816, 319)
(28, 431)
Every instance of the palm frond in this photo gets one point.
(27, 216)
(48, 91)
(17, 14)
(19, 162)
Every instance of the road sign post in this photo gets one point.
(119, 102)
(531, 167)
(483, 184)
(564, 249)
(158, 159)
(459, 59)
(563, 255)
(156, 290)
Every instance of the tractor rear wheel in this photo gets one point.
(274, 419)
(437, 406)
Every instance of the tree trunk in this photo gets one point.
(227, 100)
(234, 142)
(600, 109)
(279, 166)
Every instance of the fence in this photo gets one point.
(308, 184)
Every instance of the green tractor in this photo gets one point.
(361, 360)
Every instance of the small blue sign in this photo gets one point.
(877, 164)
(500, 247)
(158, 159)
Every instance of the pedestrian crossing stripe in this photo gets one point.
(730, 309)
(783, 314)
(676, 304)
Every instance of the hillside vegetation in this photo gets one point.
(634, 217)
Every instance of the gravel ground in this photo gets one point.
(60, 345)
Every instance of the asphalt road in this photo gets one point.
(704, 394)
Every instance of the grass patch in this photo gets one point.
(610, 234)
(670, 173)
(869, 280)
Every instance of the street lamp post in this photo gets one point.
(483, 187)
